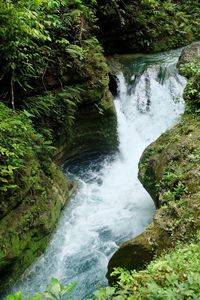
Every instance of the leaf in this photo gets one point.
(110, 291)
(75, 51)
(55, 287)
(47, 296)
(2, 179)
(17, 296)
(68, 288)
(27, 114)
(36, 297)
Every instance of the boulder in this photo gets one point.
(169, 170)
(189, 54)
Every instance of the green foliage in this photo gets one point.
(190, 69)
(22, 36)
(104, 293)
(192, 93)
(38, 37)
(17, 296)
(173, 276)
(50, 62)
(55, 291)
(47, 45)
(19, 144)
(195, 155)
(54, 110)
(155, 25)
(172, 184)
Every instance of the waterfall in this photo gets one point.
(111, 205)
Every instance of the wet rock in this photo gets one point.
(189, 54)
(28, 217)
(169, 171)
(26, 229)
(113, 84)
(94, 130)
(138, 252)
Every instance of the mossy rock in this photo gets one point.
(138, 252)
(68, 105)
(169, 171)
(174, 275)
(94, 130)
(189, 54)
(25, 231)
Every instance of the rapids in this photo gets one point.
(111, 205)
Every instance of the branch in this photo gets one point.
(117, 8)
(62, 88)
(12, 91)
(45, 69)
(2, 76)
(81, 28)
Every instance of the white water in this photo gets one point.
(110, 205)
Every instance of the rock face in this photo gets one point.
(138, 252)
(189, 53)
(27, 225)
(30, 215)
(25, 230)
(169, 171)
(94, 130)
(94, 125)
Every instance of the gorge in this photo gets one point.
(111, 205)
(71, 155)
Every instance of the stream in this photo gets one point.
(111, 205)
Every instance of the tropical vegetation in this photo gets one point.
(52, 66)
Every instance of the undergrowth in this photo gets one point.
(173, 276)
(20, 144)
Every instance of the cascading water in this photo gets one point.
(111, 205)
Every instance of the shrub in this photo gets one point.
(192, 90)
(173, 276)
(20, 144)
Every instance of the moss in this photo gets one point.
(173, 276)
(169, 170)
(63, 101)
(25, 231)
(33, 192)
(94, 130)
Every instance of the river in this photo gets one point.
(111, 205)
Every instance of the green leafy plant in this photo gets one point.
(173, 276)
(192, 90)
(38, 36)
(195, 155)
(55, 291)
(19, 143)
(158, 25)
(104, 293)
